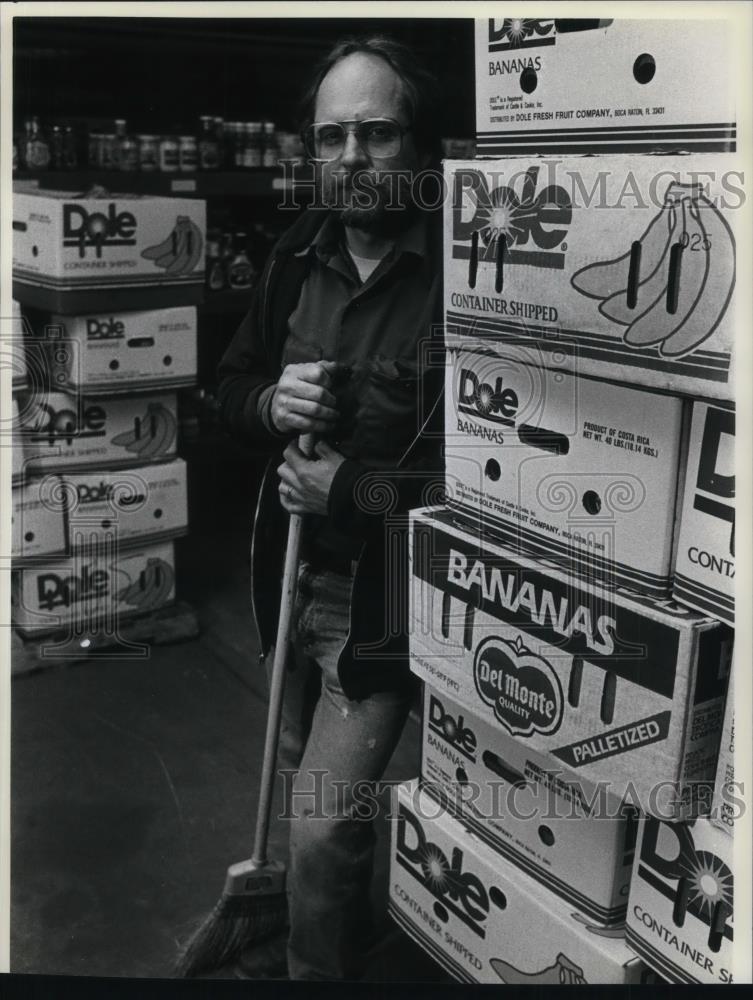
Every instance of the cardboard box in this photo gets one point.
(18, 459)
(482, 918)
(614, 688)
(15, 345)
(93, 589)
(577, 471)
(129, 505)
(562, 832)
(597, 86)
(705, 567)
(123, 351)
(680, 915)
(76, 253)
(38, 520)
(62, 431)
(620, 267)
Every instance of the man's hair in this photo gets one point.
(421, 88)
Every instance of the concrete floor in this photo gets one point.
(134, 782)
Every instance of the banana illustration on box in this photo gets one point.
(560, 973)
(152, 434)
(180, 251)
(672, 288)
(152, 588)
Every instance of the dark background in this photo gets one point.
(161, 73)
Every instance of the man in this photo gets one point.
(332, 347)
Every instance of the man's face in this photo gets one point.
(357, 185)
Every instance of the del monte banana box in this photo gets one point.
(615, 689)
(562, 832)
(680, 914)
(704, 576)
(100, 251)
(123, 351)
(93, 588)
(482, 918)
(129, 505)
(620, 267)
(64, 431)
(38, 519)
(559, 85)
(574, 470)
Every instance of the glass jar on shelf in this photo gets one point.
(70, 148)
(36, 149)
(270, 151)
(148, 152)
(208, 145)
(252, 148)
(56, 148)
(169, 154)
(187, 154)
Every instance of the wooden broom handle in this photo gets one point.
(277, 684)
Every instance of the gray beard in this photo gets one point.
(382, 211)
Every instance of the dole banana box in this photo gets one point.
(617, 690)
(64, 431)
(37, 520)
(484, 919)
(561, 832)
(557, 85)
(620, 267)
(129, 505)
(92, 589)
(579, 472)
(704, 576)
(121, 351)
(680, 914)
(73, 253)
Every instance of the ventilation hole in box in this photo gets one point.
(492, 470)
(167, 360)
(644, 68)
(546, 836)
(591, 502)
(114, 365)
(29, 536)
(158, 513)
(498, 898)
(528, 80)
(35, 251)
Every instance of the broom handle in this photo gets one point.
(277, 685)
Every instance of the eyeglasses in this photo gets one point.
(380, 138)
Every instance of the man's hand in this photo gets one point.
(305, 482)
(302, 402)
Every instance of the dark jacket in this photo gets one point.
(368, 505)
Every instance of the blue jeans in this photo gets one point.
(332, 743)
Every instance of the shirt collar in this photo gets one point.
(413, 241)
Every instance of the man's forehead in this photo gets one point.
(360, 86)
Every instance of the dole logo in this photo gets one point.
(53, 426)
(453, 731)
(456, 891)
(696, 882)
(526, 227)
(520, 686)
(520, 33)
(713, 485)
(480, 399)
(104, 329)
(83, 229)
(55, 590)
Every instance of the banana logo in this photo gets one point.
(152, 434)
(673, 286)
(180, 251)
(152, 588)
(562, 972)
(617, 931)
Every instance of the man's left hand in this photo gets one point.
(305, 482)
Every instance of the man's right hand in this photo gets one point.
(302, 403)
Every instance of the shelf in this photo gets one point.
(238, 183)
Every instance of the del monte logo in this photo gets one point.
(520, 686)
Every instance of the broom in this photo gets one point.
(253, 905)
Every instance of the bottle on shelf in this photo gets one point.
(270, 151)
(169, 154)
(56, 148)
(208, 146)
(215, 270)
(240, 270)
(70, 148)
(235, 146)
(117, 143)
(36, 149)
(187, 154)
(148, 152)
(252, 147)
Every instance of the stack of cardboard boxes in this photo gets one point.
(573, 701)
(109, 285)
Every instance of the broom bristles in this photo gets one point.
(235, 923)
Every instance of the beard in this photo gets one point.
(375, 202)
